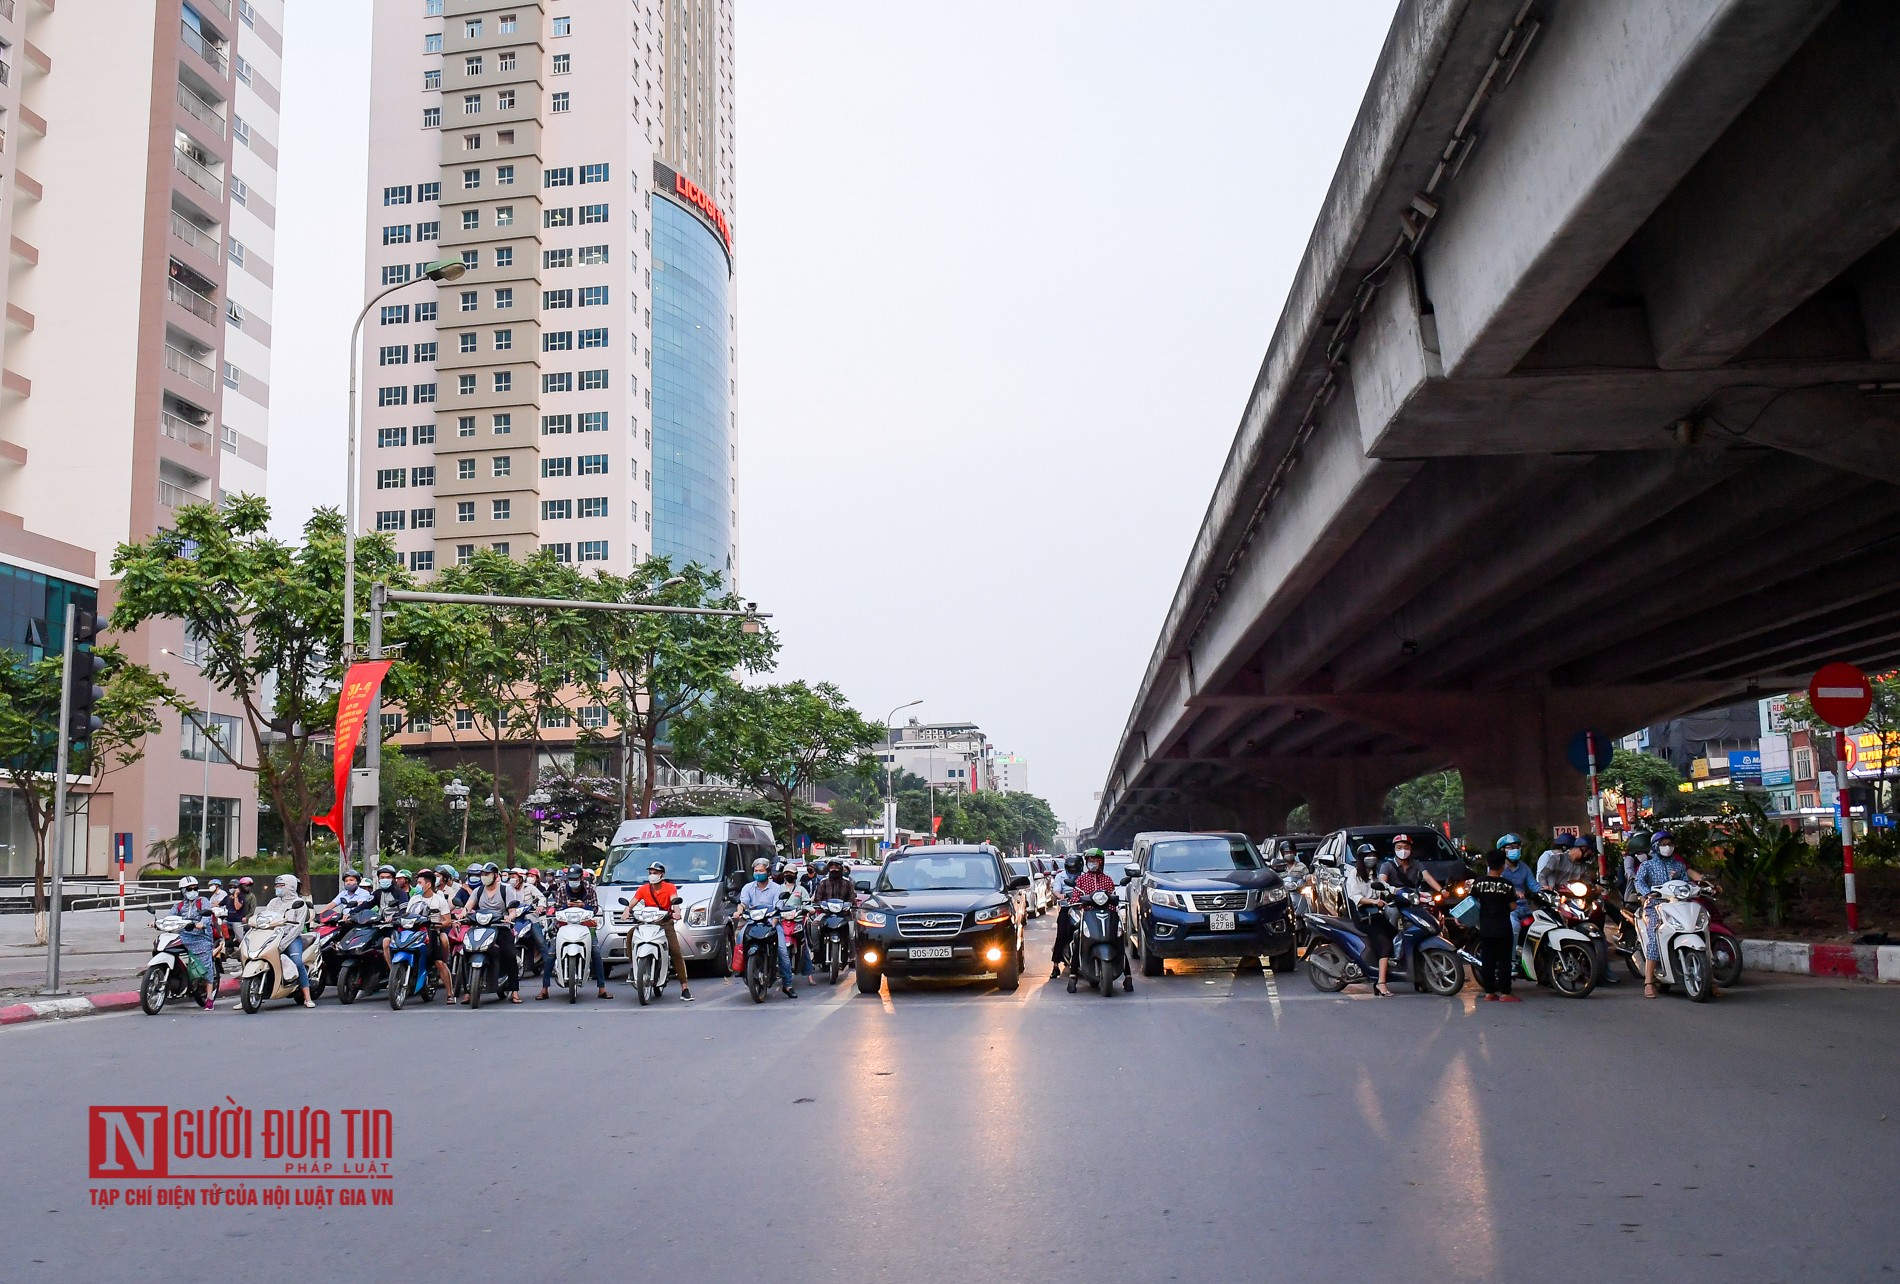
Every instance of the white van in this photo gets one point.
(704, 856)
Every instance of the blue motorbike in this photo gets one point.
(1339, 952)
(409, 960)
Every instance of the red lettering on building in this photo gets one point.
(693, 196)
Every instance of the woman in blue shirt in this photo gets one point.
(1663, 866)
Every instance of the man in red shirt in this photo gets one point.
(659, 893)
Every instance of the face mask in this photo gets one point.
(1666, 849)
(1403, 853)
(383, 883)
(490, 879)
(651, 878)
(349, 887)
(759, 877)
(1514, 854)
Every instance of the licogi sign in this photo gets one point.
(666, 179)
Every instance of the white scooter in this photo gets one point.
(268, 971)
(573, 948)
(649, 961)
(167, 975)
(1682, 932)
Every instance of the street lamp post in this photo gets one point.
(890, 799)
(409, 807)
(457, 794)
(626, 750)
(536, 803)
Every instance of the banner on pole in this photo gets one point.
(352, 707)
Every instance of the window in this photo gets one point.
(557, 217)
(593, 380)
(425, 434)
(504, 424)
(396, 234)
(505, 101)
(557, 299)
(560, 102)
(505, 297)
(593, 255)
(501, 465)
(499, 509)
(241, 129)
(551, 424)
(593, 465)
(426, 192)
(556, 510)
(429, 231)
(243, 69)
(392, 396)
(471, 142)
(246, 14)
(504, 381)
(425, 311)
(594, 296)
(425, 351)
(235, 252)
(432, 78)
(505, 256)
(465, 385)
(391, 478)
(471, 220)
(473, 65)
(557, 259)
(432, 118)
(504, 216)
(563, 26)
(562, 553)
(240, 191)
(395, 313)
(464, 554)
(593, 550)
(1804, 764)
(465, 470)
(465, 425)
(432, 43)
(554, 718)
(422, 476)
(472, 103)
(505, 25)
(471, 259)
(393, 355)
(464, 720)
(594, 173)
(504, 176)
(386, 437)
(396, 195)
(465, 509)
(208, 735)
(593, 214)
(466, 342)
(389, 519)
(562, 177)
(422, 519)
(563, 466)
(596, 338)
(504, 340)
(472, 29)
(425, 394)
(557, 340)
(421, 560)
(471, 179)
(594, 507)
(504, 62)
(563, 64)
(562, 382)
(594, 421)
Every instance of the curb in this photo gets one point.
(1865, 962)
(79, 1005)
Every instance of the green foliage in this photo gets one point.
(1008, 820)
(1431, 799)
(588, 808)
(1639, 775)
(1757, 858)
(1300, 819)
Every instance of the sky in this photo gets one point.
(1006, 273)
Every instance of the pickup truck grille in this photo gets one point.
(1205, 901)
(929, 927)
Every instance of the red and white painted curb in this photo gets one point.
(1867, 962)
(79, 1005)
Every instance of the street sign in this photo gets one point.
(1850, 753)
(1880, 820)
(1578, 751)
(1566, 831)
(1841, 695)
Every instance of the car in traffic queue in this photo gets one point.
(1034, 895)
(1205, 895)
(1431, 852)
(949, 910)
(707, 857)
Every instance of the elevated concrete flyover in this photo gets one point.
(1583, 411)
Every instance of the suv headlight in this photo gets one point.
(696, 916)
(1172, 900)
(872, 918)
(995, 914)
(1273, 895)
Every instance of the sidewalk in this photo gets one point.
(90, 956)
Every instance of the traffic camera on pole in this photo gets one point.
(82, 677)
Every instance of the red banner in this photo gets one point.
(352, 706)
(936, 822)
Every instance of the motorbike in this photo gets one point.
(830, 932)
(269, 970)
(409, 976)
(331, 923)
(360, 965)
(649, 961)
(573, 948)
(171, 973)
(1095, 947)
(759, 932)
(1339, 952)
(1725, 948)
(479, 963)
(527, 953)
(1558, 947)
(1682, 940)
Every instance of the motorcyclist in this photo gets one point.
(295, 909)
(1663, 866)
(493, 896)
(435, 906)
(199, 936)
(763, 893)
(573, 891)
(350, 895)
(1091, 880)
(836, 885)
(1365, 897)
(405, 886)
(795, 906)
(533, 903)
(1400, 870)
(1564, 864)
(243, 901)
(659, 894)
(1065, 924)
(386, 898)
(1517, 873)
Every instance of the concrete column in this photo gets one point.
(1255, 808)
(1346, 791)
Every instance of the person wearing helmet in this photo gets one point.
(430, 903)
(1566, 863)
(573, 891)
(200, 935)
(295, 909)
(494, 896)
(1662, 866)
(534, 904)
(405, 885)
(1366, 899)
(1517, 873)
(351, 895)
(1402, 871)
(763, 893)
(243, 900)
(836, 885)
(1065, 925)
(660, 894)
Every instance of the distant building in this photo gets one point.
(950, 755)
(1009, 773)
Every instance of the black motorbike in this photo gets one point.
(759, 933)
(1095, 948)
(830, 938)
(478, 964)
(360, 965)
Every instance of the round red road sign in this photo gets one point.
(1841, 695)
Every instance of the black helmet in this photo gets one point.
(1072, 863)
(834, 867)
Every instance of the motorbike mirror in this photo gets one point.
(677, 899)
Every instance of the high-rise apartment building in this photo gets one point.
(574, 390)
(138, 172)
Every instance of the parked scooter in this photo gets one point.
(1725, 948)
(830, 932)
(573, 948)
(1096, 953)
(269, 970)
(758, 932)
(172, 972)
(331, 925)
(409, 974)
(1682, 940)
(1339, 953)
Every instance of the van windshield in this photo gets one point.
(691, 862)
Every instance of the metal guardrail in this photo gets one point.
(89, 893)
(198, 174)
(176, 496)
(198, 109)
(170, 425)
(190, 367)
(194, 236)
(202, 47)
(191, 301)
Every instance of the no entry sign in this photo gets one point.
(1841, 695)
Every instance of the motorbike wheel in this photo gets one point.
(348, 983)
(835, 968)
(1104, 978)
(573, 991)
(643, 981)
(1692, 966)
(1326, 968)
(1725, 959)
(1573, 973)
(755, 977)
(1010, 974)
(399, 986)
(152, 993)
(251, 993)
(1441, 971)
(476, 984)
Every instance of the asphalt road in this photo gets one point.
(1214, 1125)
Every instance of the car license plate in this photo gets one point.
(1220, 922)
(930, 951)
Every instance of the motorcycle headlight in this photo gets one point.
(995, 914)
(1163, 897)
(872, 918)
(1579, 890)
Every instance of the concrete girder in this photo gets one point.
(1841, 427)
(1602, 121)
(1859, 640)
(1879, 290)
(1797, 190)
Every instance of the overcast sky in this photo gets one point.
(1006, 273)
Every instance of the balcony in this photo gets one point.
(170, 425)
(200, 110)
(192, 301)
(6, 72)
(206, 243)
(190, 367)
(171, 496)
(202, 47)
(198, 174)
(6, 10)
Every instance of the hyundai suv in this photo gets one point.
(1205, 896)
(945, 910)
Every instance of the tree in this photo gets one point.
(29, 728)
(778, 740)
(266, 617)
(1433, 799)
(1641, 775)
(410, 789)
(588, 807)
(816, 825)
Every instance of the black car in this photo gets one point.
(1300, 847)
(946, 910)
(1431, 852)
(1196, 896)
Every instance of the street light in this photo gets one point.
(626, 751)
(536, 803)
(890, 800)
(204, 733)
(457, 794)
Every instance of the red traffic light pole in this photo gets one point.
(1841, 696)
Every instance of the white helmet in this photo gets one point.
(286, 885)
(187, 884)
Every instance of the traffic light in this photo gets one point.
(1861, 796)
(82, 677)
